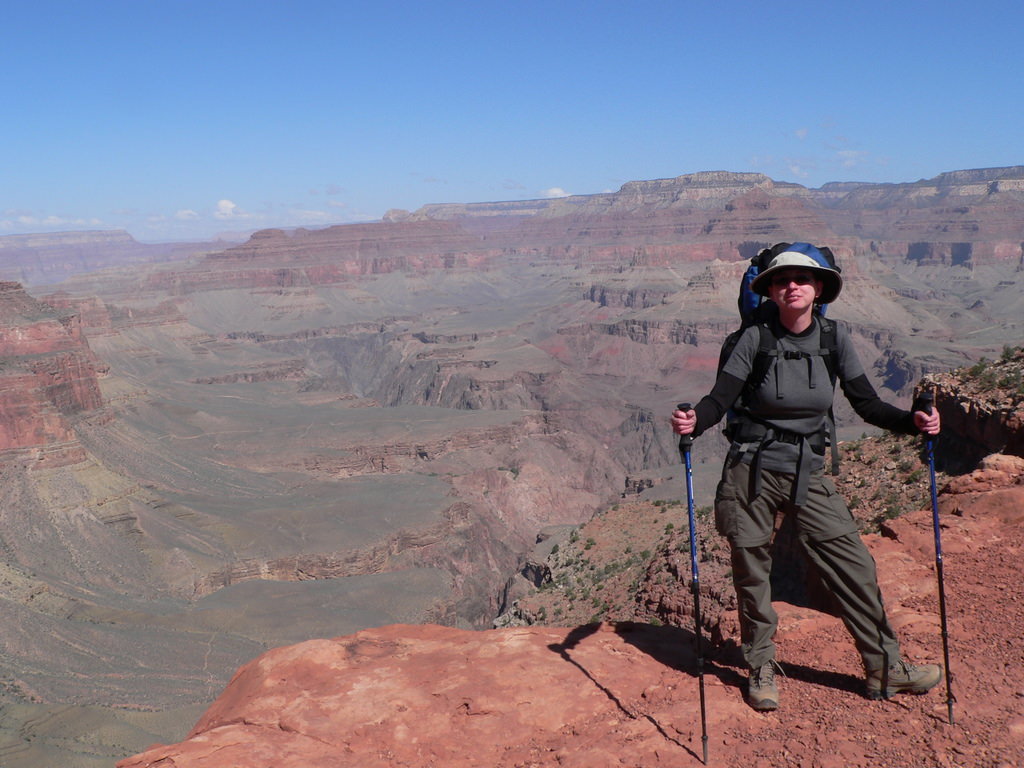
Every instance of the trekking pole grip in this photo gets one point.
(685, 441)
(924, 402)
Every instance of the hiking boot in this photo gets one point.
(762, 692)
(902, 677)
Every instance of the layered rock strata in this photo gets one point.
(48, 376)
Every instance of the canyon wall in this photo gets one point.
(48, 377)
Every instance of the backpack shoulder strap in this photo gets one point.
(829, 346)
(760, 317)
(767, 350)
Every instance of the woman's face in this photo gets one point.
(795, 289)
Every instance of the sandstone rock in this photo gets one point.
(428, 695)
(48, 376)
(982, 406)
(996, 471)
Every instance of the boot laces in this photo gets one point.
(903, 668)
(765, 674)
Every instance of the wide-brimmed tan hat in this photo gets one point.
(832, 281)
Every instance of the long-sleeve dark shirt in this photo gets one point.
(797, 393)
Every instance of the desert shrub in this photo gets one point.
(1014, 380)
(978, 367)
(989, 379)
(893, 511)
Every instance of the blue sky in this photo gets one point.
(176, 119)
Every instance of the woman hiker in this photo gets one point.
(776, 463)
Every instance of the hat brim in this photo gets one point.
(831, 281)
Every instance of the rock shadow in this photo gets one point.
(841, 681)
(578, 634)
(675, 648)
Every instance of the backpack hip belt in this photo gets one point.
(750, 437)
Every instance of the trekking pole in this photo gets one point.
(685, 443)
(924, 403)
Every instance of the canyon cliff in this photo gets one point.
(48, 378)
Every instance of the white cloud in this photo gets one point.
(800, 133)
(186, 214)
(555, 192)
(228, 210)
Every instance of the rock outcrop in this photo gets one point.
(983, 406)
(48, 376)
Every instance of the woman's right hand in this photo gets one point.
(684, 422)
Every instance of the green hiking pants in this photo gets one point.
(829, 536)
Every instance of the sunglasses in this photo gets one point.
(783, 280)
